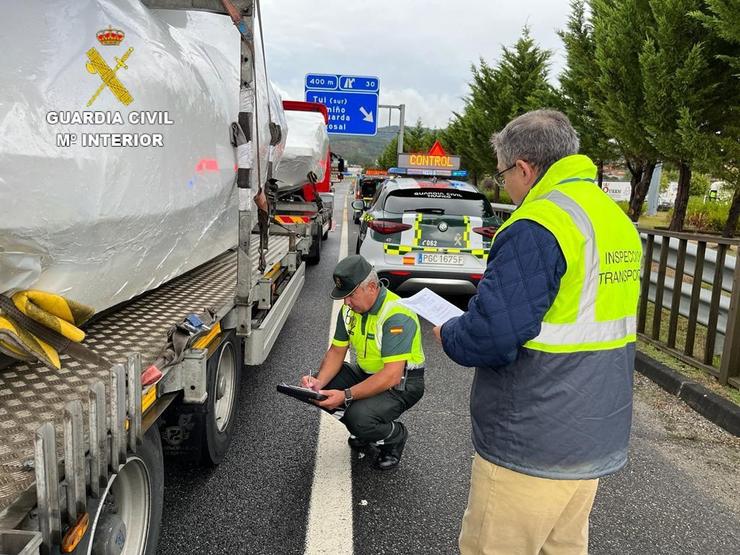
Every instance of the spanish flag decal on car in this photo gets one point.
(396, 330)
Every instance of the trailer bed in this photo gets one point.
(31, 394)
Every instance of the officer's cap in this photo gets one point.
(348, 274)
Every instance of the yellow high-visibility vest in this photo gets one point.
(595, 308)
(367, 339)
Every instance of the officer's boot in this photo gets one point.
(390, 455)
(357, 444)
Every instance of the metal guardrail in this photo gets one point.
(717, 305)
(708, 296)
(708, 271)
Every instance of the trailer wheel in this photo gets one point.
(314, 252)
(129, 515)
(224, 379)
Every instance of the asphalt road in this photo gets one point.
(679, 494)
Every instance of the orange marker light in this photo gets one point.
(75, 534)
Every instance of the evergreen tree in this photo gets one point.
(619, 31)
(499, 93)
(389, 157)
(415, 139)
(576, 88)
(718, 148)
(683, 83)
(456, 139)
(523, 73)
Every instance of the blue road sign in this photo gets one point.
(352, 101)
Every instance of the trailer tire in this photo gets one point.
(137, 489)
(314, 252)
(224, 380)
(325, 236)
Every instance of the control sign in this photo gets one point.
(434, 162)
(351, 100)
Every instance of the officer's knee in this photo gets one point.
(360, 422)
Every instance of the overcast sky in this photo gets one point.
(420, 49)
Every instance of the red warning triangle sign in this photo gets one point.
(437, 150)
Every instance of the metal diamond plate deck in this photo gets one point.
(31, 394)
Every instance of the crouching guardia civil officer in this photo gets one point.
(388, 377)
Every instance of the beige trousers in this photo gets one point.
(510, 513)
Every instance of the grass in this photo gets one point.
(697, 374)
(661, 219)
(691, 372)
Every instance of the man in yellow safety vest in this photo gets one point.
(551, 332)
(388, 377)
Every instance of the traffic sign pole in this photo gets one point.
(401, 122)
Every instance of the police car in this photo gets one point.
(428, 232)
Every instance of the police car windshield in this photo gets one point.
(448, 201)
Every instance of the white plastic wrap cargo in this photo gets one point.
(101, 224)
(306, 149)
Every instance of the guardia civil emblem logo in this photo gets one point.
(97, 64)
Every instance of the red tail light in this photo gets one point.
(485, 231)
(399, 273)
(386, 228)
(476, 276)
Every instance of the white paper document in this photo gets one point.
(432, 307)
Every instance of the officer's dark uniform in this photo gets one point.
(388, 332)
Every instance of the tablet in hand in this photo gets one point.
(301, 393)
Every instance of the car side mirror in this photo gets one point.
(358, 205)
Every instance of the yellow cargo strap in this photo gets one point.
(36, 325)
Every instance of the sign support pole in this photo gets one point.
(401, 122)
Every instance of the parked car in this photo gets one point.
(426, 233)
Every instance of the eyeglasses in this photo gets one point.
(499, 177)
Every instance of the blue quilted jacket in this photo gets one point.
(520, 283)
(534, 412)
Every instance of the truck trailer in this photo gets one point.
(82, 446)
(305, 200)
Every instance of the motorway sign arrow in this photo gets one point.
(368, 115)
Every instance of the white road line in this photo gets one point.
(330, 513)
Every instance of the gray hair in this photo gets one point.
(372, 277)
(540, 137)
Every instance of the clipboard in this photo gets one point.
(301, 393)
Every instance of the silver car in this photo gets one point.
(427, 233)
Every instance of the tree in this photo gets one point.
(683, 83)
(499, 93)
(576, 88)
(523, 73)
(415, 139)
(389, 157)
(719, 149)
(619, 31)
(457, 139)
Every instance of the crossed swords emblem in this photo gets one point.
(108, 74)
